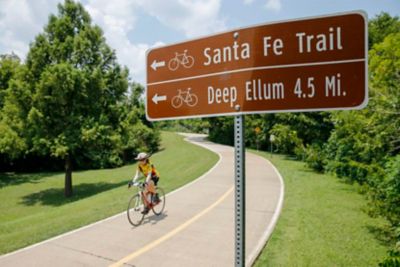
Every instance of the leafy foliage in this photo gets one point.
(221, 130)
(76, 87)
(392, 261)
(70, 100)
(286, 138)
(359, 146)
(380, 27)
(9, 65)
(365, 145)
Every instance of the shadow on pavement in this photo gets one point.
(153, 219)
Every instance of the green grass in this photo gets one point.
(322, 223)
(32, 206)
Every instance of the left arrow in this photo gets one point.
(156, 98)
(156, 64)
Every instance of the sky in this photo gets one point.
(131, 27)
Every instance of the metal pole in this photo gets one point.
(271, 149)
(240, 190)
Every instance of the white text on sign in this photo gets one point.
(260, 90)
(306, 43)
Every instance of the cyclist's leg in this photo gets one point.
(151, 188)
(155, 180)
(149, 191)
(155, 199)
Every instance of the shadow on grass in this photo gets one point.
(8, 179)
(55, 196)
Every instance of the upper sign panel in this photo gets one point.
(310, 64)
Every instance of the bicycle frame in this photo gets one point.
(182, 58)
(145, 200)
(143, 195)
(186, 96)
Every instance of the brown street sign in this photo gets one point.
(311, 64)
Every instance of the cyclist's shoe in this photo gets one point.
(156, 199)
(145, 211)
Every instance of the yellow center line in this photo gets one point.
(171, 233)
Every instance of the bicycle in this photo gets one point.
(139, 201)
(181, 59)
(184, 97)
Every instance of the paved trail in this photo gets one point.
(197, 228)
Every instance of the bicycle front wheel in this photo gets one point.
(192, 101)
(135, 208)
(159, 207)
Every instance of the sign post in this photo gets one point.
(240, 192)
(312, 64)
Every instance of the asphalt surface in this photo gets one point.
(196, 229)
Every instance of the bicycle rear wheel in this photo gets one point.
(188, 63)
(159, 208)
(177, 101)
(134, 211)
(173, 64)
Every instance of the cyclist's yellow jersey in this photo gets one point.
(147, 168)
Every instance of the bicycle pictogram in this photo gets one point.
(181, 59)
(186, 97)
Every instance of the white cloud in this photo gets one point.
(274, 5)
(134, 57)
(118, 17)
(20, 22)
(192, 17)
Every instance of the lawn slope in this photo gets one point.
(322, 223)
(32, 206)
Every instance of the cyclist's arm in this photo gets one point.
(148, 178)
(137, 175)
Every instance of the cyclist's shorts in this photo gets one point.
(155, 180)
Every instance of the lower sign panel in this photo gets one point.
(316, 87)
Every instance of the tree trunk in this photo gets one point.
(68, 177)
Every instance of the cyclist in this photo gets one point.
(147, 169)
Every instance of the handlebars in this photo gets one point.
(141, 185)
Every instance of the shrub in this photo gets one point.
(314, 157)
(286, 139)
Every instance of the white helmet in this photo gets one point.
(142, 156)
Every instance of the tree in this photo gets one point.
(221, 130)
(76, 86)
(137, 133)
(384, 64)
(9, 65)
(137, 91)
(13, 110)
(385, 81)
(380, 27)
